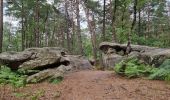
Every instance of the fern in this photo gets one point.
(133, 68)
(7, 76)
(163, 73)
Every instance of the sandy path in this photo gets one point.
(96, 85)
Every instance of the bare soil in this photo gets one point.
(91, 85)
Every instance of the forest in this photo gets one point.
(79, 44)
(79, 24)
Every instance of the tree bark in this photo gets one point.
(113, 13)
(148, 26)
(1, 24)
(22, 22)
(37, 34)
(80, 44)
(104, 21)
(139, 23)
(67, 25)
(128, 49)
(91, 27)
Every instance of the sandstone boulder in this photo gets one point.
(49, 73)
(114, 53)
(155, 57)
(43, 63)
(78, 62)
(111, 60)
(14, 59)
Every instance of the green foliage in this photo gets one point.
(88, 46)
(56, 80)
(163, 73)
(9, 77)
(132, 68)
(122, 35)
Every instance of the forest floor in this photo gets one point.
(91, 85)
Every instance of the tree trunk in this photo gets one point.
(37, 34)
(91, 27)
(113, 13)
(22, 22)
(73, 27)
(148, 26)
(67, 25)
(123, 17)
(80, 44)
(139, 23)
(1, 24)
(46, 28)
(128, 49)
(104, 21)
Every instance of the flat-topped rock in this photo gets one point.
(42, 63)
(104, 46)
(153, 56)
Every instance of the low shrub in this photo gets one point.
(163, 72)
(7, 76)
(133, 68)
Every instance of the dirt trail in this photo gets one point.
(97, 85)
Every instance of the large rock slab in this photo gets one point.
(78, 62)
(32, 58)
(111, 60)
(14, 59)
(42, 60)
(49, 74)
(43, 63)
(113, 53)
(105, 46)
(155, 57)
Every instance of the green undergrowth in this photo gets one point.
(133, 68)
(18, 78)
(163, 72)
(56, 80)
(7, 76)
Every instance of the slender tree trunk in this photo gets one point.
(1, 24)
(26, 29)
(23, 32)
(114, 19)
(91, 27)
(80, 44)
(37, 34)
(128, 49)
(94, 39)
(45, 28)
(9, 36)
(67, 25)
(73, 28)
(139, 23)
(148, 26)
(123, 17)
(104, 21)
